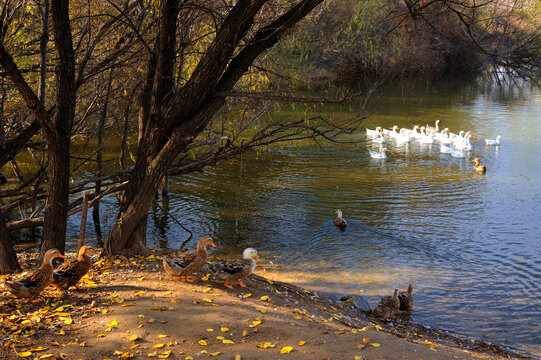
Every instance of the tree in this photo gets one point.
(178, 116)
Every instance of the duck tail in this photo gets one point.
(410, 289)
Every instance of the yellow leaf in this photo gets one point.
(68, 321)
(227, 342)
(206, 277)
(104, 311)
(113, 323)
(286, 350)
(210, 330)
(245, 333)
(302, 342)
(216, 353)
(220, 337)
(152, 354)
(46, 356)
(204, 352)
(84, 315)
(134, 337)
(24, 354)
(366, 340)
(133, 346)
(375, 345)
(357, 358)
(207, 300)
(167, 293)
(188, 358)
(164, 355)
(174, 301)
(61, 332)
(202, 342)
(118, 352)
(261, 310)
(237, 357)
(158, 346)
(101, 335)
(162, 336)
(39, 348)
(224, 329)
(141, 278)
(264, 298)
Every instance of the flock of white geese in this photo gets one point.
(455, 145)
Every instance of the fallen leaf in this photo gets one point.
(134, 337)
(158, 346)
(162, 336)
(39, 348)
(101, 335)
(245, 333)
(302, 342)
(237, 357)
(174, 301)
(216, 353)
(264, 298)
(210, 330)
(366, 340)
(376, 345)
(261, 310)
(202, 342)
(24, 354)
(141, 278)
(286, 350)
(164, 355)
(167, 293)
(224, 329)
(227, 342)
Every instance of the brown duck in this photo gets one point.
(387, 306)
(339, 221)
(479, 168)
(236, 269)
(189, 261)
(406, 299)
(35, 281)
(69, 273)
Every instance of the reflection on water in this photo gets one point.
(469, 243)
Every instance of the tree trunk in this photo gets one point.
(56, 208)
(8, 258)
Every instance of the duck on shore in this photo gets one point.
(69, 273)
(35, 281)
(406, 299)
(236, 269)
(189, 261)
(387, 306)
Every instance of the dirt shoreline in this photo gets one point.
(132, 309)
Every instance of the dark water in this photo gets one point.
(470, 244)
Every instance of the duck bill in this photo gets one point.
(62, 256)
(212, 244)
(257, 258)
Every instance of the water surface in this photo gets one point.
(470, 244)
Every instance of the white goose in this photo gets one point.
(402, 137)
(378, 155)
(496, 142)
(376, 132)
(425, 139)
(431, 129)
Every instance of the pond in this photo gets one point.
(469, 243)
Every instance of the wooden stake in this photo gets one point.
(82, 230)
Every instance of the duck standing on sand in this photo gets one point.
(406, 299)
(35, 281)
(479, 168)
(387, 306)
(339, 221)
(69, 273)
(236, 269)
(189, 261)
